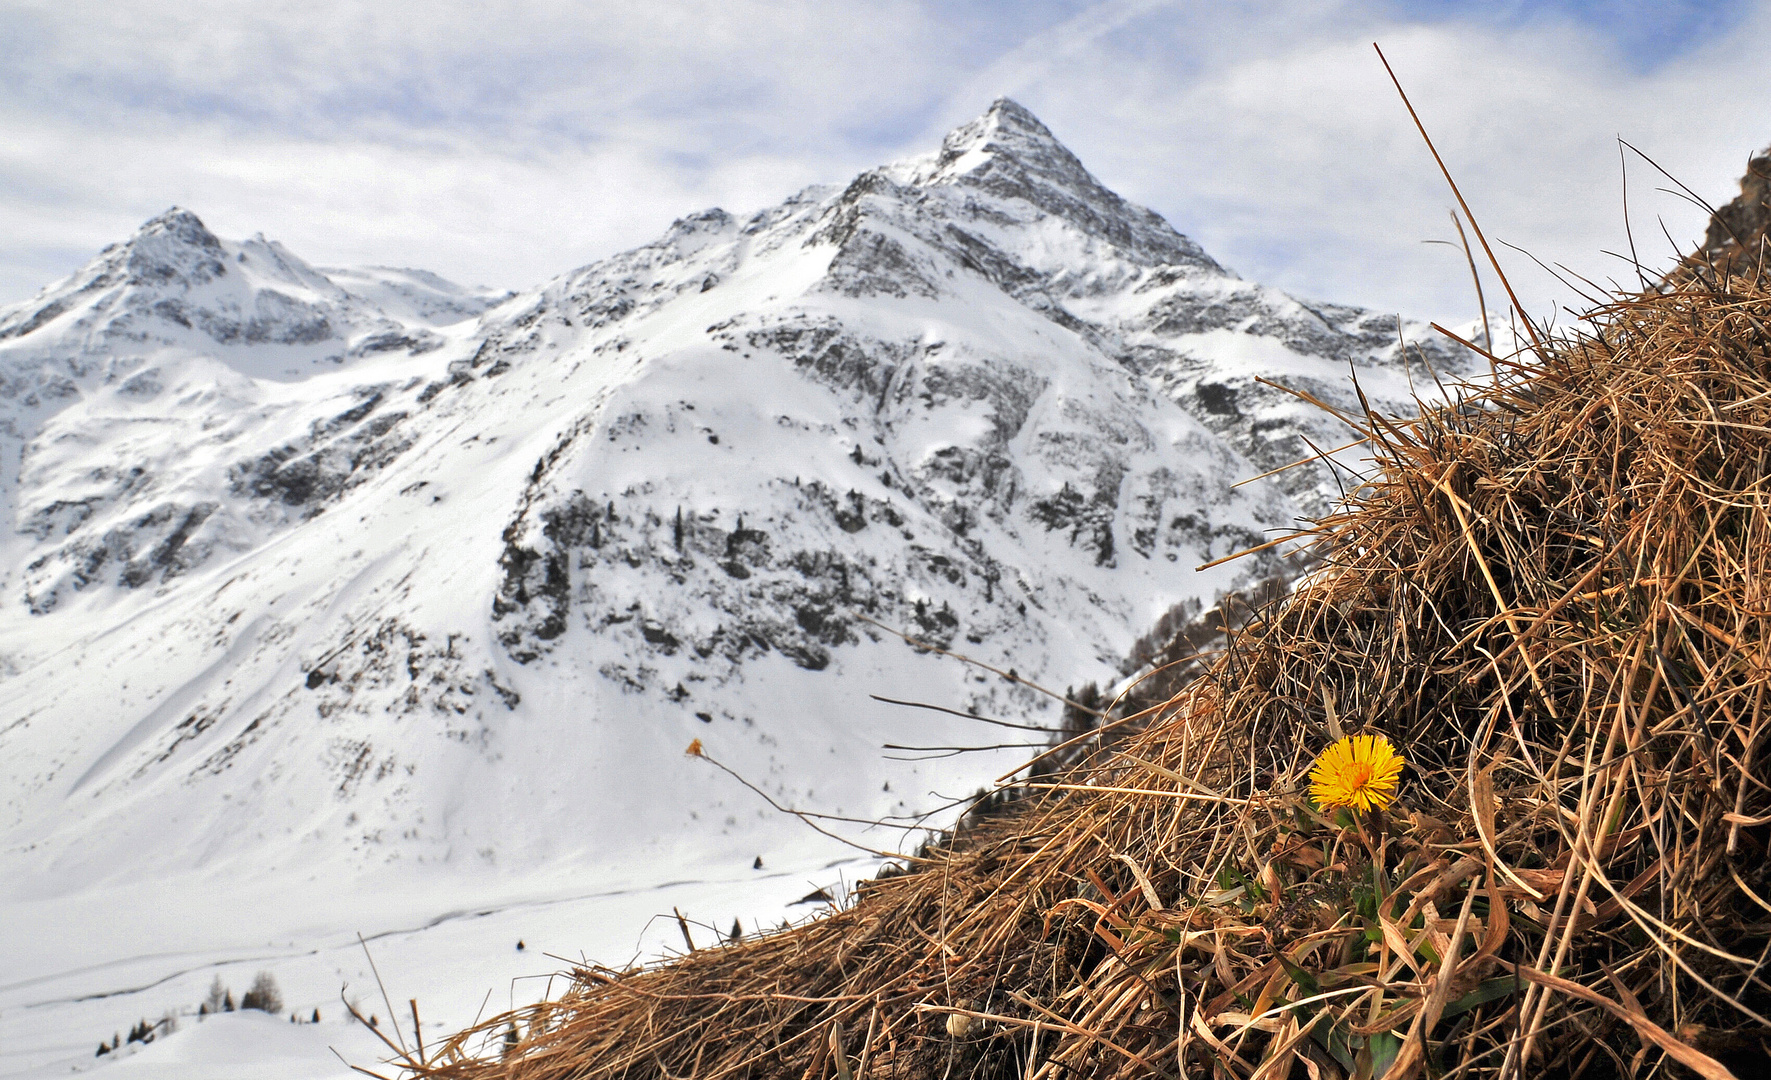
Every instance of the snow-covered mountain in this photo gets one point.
(339, 574)
(332, 546)
(126, 389)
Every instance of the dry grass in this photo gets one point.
(1555, 598)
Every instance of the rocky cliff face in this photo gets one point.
(370, 568)
(1735, 240)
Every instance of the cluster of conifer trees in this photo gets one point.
(142, 1032)
(263, 995)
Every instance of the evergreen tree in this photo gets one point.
(217, 993)
(102, 1049)
(227, 1003)
(264, 995)
(316, 1018)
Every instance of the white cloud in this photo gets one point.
(496, 143)
(1286, 151)
(504, 143)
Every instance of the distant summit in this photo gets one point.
(1009, 153)
(174, 247)
(174, 284)
(1008, 130)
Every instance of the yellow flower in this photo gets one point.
(1358, 772)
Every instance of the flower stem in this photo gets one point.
(1377, 838)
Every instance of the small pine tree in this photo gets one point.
(103, 1049)
(264, 995)
(203, 1009)
(316, 1018)
(217, 994)
(227, 1003)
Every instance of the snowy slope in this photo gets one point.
(336, 585)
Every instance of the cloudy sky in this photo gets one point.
(506, 142)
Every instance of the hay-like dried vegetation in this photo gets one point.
(1554, 597)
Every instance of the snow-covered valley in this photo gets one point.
(343, 601)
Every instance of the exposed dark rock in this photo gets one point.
(874, 264)
(1218, 398)
(115, 555)
(335, 456)
(1735, 241)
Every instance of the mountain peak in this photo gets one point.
(172, 250)
(1009, 153)
(179, 221)
(1009, 121)
(174, 228)
(174, 246)
(1007, 129)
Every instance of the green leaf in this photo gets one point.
(1489, 990)
(1384, 1048)
(1333, 1039)
(1308, 983)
